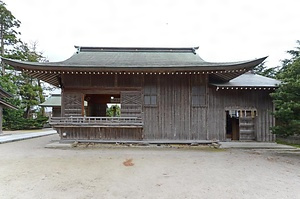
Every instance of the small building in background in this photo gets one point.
(4, 104)
(52, 106)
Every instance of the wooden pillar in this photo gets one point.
(1, 118)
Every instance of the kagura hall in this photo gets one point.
(165, 95)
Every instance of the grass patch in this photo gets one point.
(279, 141)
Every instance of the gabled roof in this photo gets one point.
(91, 60)
(250, 80)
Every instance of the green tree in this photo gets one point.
(8, 29)
(262, 69)
(27, 90)
(287, 96)
(113, 111)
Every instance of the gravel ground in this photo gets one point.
(28, 170)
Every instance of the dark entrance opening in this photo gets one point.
(98, 104)
(232, 127)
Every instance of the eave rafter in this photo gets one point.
(243, 88)
(52, 77)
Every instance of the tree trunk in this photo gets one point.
(2, 47)
(27, 113)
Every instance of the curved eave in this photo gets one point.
(50, 72)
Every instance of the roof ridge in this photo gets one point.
(136, 49)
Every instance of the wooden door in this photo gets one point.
(246, 128)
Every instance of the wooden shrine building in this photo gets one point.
(165, 94)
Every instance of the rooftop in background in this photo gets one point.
(54, 101)
(250, 79)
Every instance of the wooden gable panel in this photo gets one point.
(131, 104)
(72, 104)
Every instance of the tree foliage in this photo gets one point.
(262, 69)
(113, 111)
(28, 91)
(287, 96)
(8, 29)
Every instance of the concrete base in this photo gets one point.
(254, 145)
(193, 142)
(223, 145)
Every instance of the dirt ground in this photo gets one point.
(28, 170)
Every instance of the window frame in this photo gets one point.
(199, 92)
(150, 92)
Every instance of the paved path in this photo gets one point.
(23, 136)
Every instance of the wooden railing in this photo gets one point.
(97, 121)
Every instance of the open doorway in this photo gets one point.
(102, 105)
(232, 126)
(240, 124)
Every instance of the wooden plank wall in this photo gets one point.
(174, 107)
(243, 99)
(174, 118)
(100, 133)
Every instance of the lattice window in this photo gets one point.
(72, 104)
(131, 104)
(198, 95)
(199, 91)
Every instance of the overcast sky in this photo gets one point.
(224, 30)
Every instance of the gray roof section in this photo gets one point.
(250, 79)
(92, 60)
(53, 101)
(139, 58)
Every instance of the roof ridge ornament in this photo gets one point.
(78, 49)
(194, 49)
